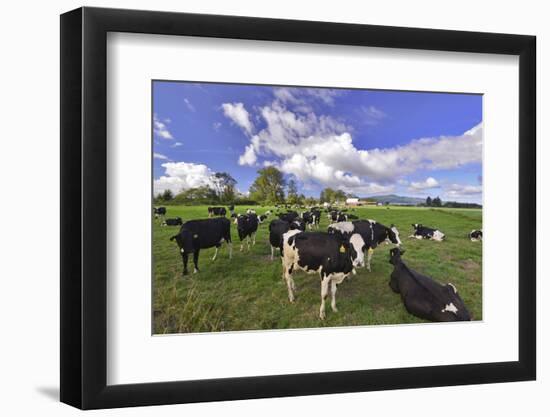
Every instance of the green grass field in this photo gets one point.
(248, 293)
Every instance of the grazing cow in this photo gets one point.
(423, 232)
(195, 235)
(231, 209)
(172, 222)
(475, 235)
(159, 211)
(247, 225)
(262, 218)
(372, 232)
(316, 216)
(289, 216)
(331, 256)
(216, 211)
(250, 211)
(423, 297)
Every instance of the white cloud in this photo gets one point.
(427, 184)
(160, 129)
(460, 190)
(181, 176)
(300, 99)
(216, 126)
(188, 104)
(239, 115)
(159, 156)
(248, 157)
(320, 149)
(371, 115)
(175, 145)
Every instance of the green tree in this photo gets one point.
(292, 192)
(436, 202)
(429, 201)
(224, 186)
(199, 195)
(268, 187)
(167, 195)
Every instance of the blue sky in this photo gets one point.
(365, 142)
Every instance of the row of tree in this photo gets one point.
(268, 188)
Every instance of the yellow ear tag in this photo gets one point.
(342, 249)
(371, 250)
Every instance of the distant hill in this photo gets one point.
(396, 199)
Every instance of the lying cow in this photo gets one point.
(277, 228)
(372, 232)
(216, 211)
(195, 235)
(423, 297)
(247, 226)
(475, 235)
(331, 256)
(423, 232)
(172, 222)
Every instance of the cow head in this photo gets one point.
(393, 235)
(455, 304)
(416, 226)
(357, 248)
(395, 255)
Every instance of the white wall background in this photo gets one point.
(29, 215)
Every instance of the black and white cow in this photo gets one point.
(330, 256)
(277, 228)
(216, 211)
(337, 216)
(289, 216)
(372, 232)
(195, 235)
(423, 232)
(475, 235)
(263, 217)
(424, 297)
(308, 219)
(247, 226)
(159, 211)
(172, 222)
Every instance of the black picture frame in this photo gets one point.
(84, 207)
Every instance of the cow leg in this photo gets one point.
(185, 258)
(333, 286)
(253, 238)
(248, 243)
(324, 293)
(242, 246)
(215, 253)
(230, 247)
(369, 257)
(196, 261)
(272, 250)
(289, 284)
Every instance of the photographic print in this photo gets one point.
(289, 207)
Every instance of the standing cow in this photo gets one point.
(422, 296)
(372, 232)
(159, 212)
(195, 235)
(277, 228)
(424, 232)
(247, 226)
(331, 256)
(216, 211)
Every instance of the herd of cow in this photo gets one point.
(334, 254)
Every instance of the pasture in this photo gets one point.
(248, 293)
